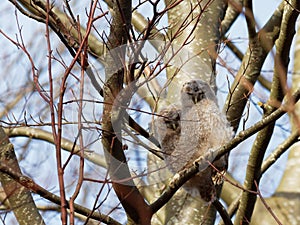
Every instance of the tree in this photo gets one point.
(107, 69)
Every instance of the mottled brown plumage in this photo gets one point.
(201, 131)
(167, 129)
(202, 120)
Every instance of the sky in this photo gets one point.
(35, 31)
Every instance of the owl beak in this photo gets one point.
(174, 126)
(195, 99)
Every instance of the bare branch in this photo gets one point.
(20, 199)
(250, 69)
(31, 185)
(184, 175)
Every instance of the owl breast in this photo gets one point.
(198, 131)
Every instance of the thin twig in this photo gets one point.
(184, 175)
(31, 185)
(266, 205)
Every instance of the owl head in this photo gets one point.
(171, 117)
(167, 124)
(194, 91)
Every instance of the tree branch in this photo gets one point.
(184, 175)
(279, 86)
(31, 185)
(20, 199)
(66, 144)
(249, 71)
(133, 202)
(233, 10)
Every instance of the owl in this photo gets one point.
(203, 129)
(202, 120)
(196, 129)
(167, 130)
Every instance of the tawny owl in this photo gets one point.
(167, 130)
(195, 130)
(203, 130)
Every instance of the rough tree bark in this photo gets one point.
(19, 197)
(197, 26)
(131, 199)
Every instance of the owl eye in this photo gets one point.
(196, 89)
(172, 124)
(171, 120)
(190, 87)
(197, 97)
(201, 95)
